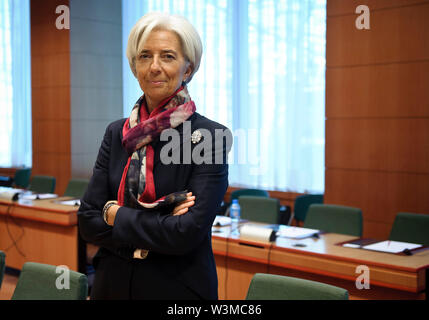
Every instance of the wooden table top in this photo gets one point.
(327, 246)
(48, 210)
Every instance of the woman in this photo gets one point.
(152, 218)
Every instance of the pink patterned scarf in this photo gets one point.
(137, 186)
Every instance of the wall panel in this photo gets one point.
(377, 110)
(397, 34)
(50, 76)
(385, 144)
(388, 90)
(347, 7)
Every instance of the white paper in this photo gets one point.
(221, 221)
(391, 246)
(8, 193)
(296, 232)
(74, 202)
(351, 245)
(39, 196)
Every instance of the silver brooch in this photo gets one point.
(196, 136)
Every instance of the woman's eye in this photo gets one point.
(144, 56)
(169, 56)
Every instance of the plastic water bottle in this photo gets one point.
(235, 216)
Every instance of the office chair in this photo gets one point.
(22, 178)
(2, 265)
(411, 227)
(76, 188)
(238, 193)
(275, 287)
(302, 203)
(19, 180)
(334, 218)
(39, 282)
(42, 184)
(259, 209)
(248, 192)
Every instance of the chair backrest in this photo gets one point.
(42, 282)
(411, 227)
(334, 218)
(42, 184)
(303, 202)
(275, 287)
(22, 178)
(76, 188)
(248, 192)
(2, 265)
(259, 209)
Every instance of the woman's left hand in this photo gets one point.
(184, 206)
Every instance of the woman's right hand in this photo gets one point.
(184, 206)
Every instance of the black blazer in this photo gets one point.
(180, 263)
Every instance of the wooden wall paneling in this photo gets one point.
(53, 136)
(398, 34)
(51, 98)
(43, 11)
(51, 70)
(376, 230)
(377, 107)
(343, 7)
(387, 90)
(388, 144)
(54, 42)
(50, 76)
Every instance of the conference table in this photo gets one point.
(321, 258)
(46, 231)
(43, 231)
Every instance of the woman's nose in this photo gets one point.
(155, 66)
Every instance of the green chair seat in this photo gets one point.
(76, 188)
(39, 282)
(259, 209)
(275, 287)
(334, 218)
(411, 227)
(42, 184)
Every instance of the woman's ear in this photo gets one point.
(188, 72)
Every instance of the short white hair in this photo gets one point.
(191, 42)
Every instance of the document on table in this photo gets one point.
(391, 246)
(72, 202)
(38, 196)
(221, 221)
(296, 232)
(10, 193)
